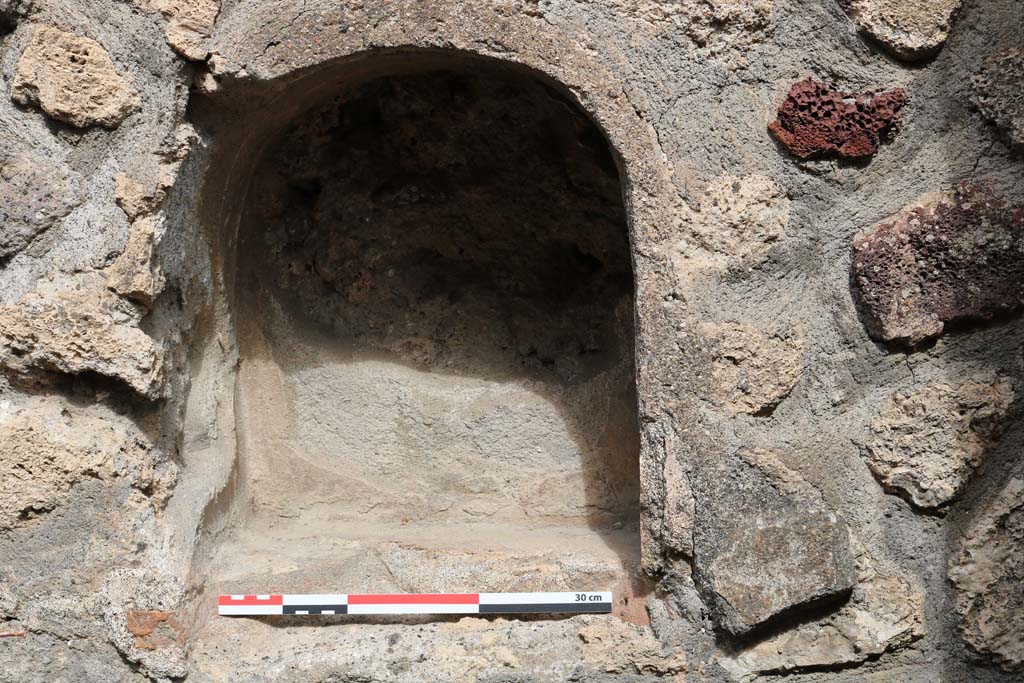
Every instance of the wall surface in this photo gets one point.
(825, 210)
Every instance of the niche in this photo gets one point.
(434, 310)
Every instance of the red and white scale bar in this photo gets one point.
(416, 603)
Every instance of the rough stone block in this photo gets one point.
(927, 443)
(73, 80)
(947, 257)
(615, 647)
(739, 221)
(986, 570)
(189, 23)
(765, 543)
(49, 446)
(77, 332)
(751, 371)
(908, 29)
(816, 120)
(134, 275)
(999, 96)
(885, 613)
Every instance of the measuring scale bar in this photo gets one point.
(579, 602)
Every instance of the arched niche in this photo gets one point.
(485, 407)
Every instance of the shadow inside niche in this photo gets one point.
(435, 318)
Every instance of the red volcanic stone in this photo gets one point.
(816, 120)
(954, 256)
(154, 629)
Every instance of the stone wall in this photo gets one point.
(824, 203)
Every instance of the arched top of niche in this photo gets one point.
(271, 68)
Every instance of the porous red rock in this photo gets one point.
(947, 257)
(155, 629)
(817, 120)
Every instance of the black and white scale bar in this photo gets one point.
(314, 609)
(579, 602)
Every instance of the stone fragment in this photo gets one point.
(725, 28)
(765, 542)
(73, 80)
(154, 629)
(35, 193)
(616, 647)
(907, 29)
(75, 332)
(8, 602)
(142, 192)
(751, 371)
(948, 257)
(816, 120)
(927, 443)
(986, 569)
(140, 612)
(679, 512)
(999, 96)
(739, 220)
(189, 23)
(885, 613)
(132, 196)
(134, 275)
(48, 446)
